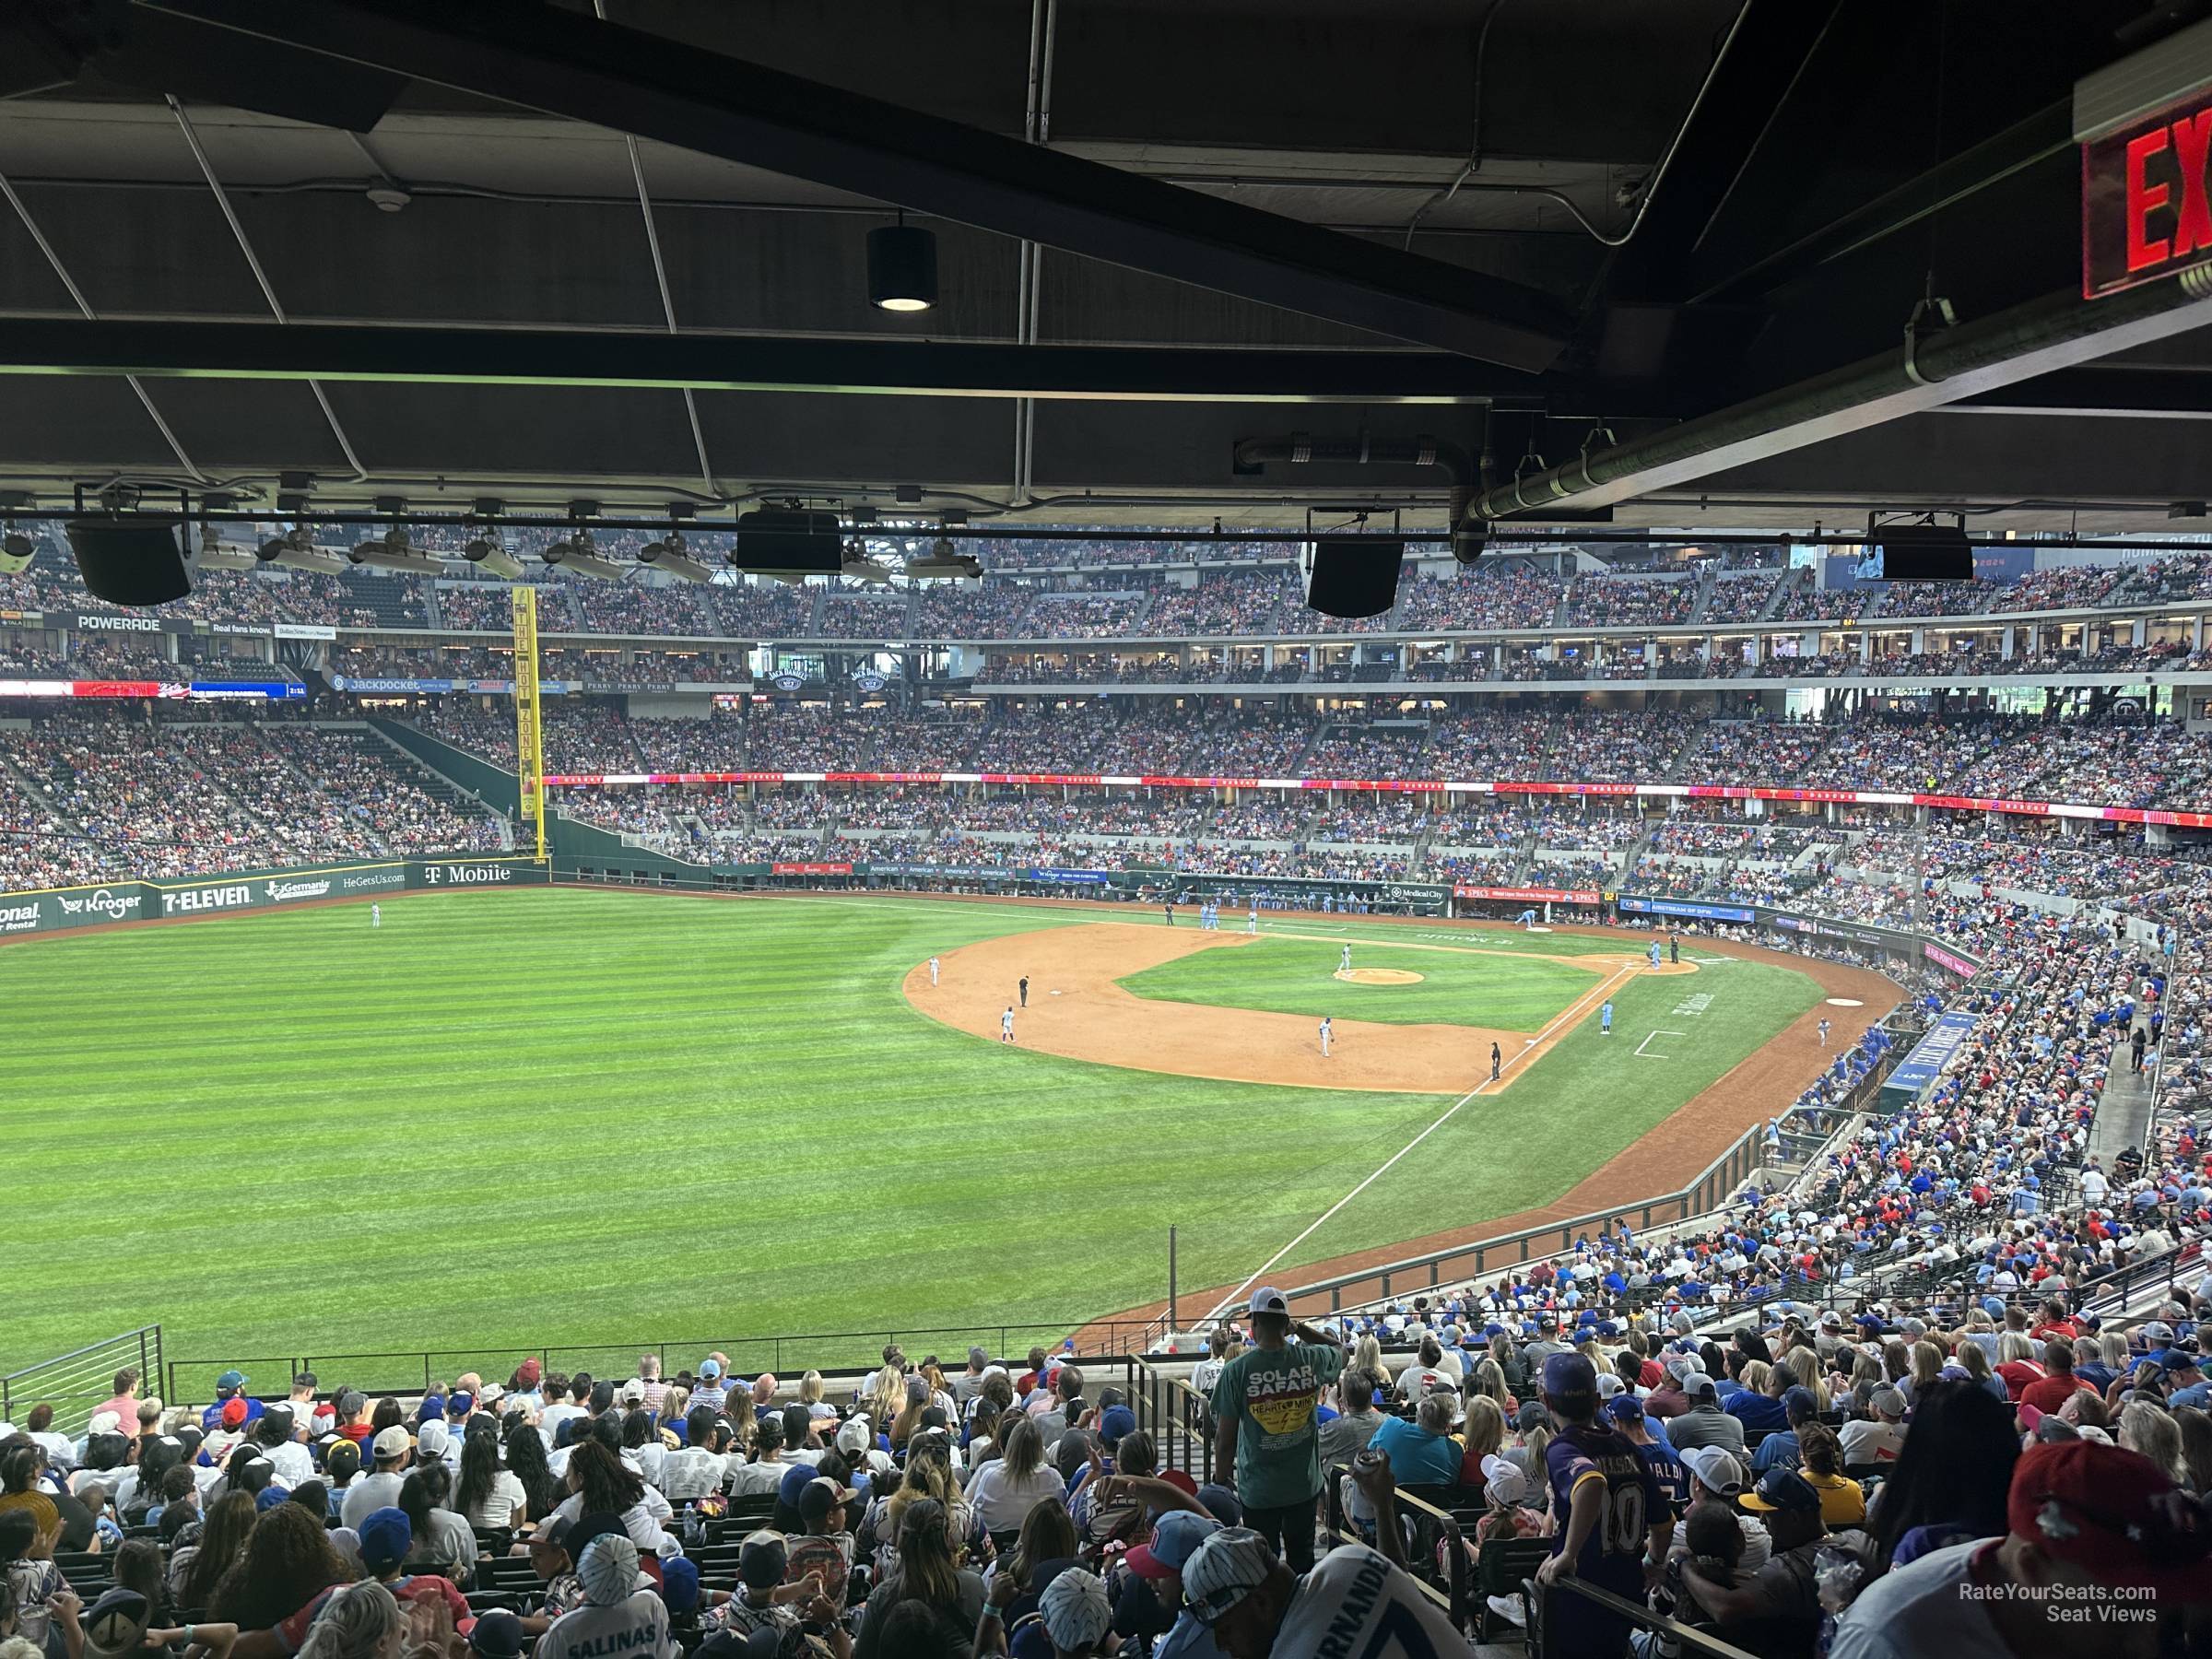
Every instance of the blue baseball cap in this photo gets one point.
(1570, 1375)
(1174, 1536)
(1116, 1422)
(432, 1409)
(1624, 1408)
(1222, 1504)
(708, 1369)
(680, 1583)
(269, 1496)
(1800, 1402)
(2177, 1360)
(386, 1536)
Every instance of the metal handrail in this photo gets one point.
(1702, 1642)
(1453, 1600)
(73, 1382)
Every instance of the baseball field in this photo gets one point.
(508, 1119)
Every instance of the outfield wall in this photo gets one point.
(58, 910)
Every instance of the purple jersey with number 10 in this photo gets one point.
(1613, 1558)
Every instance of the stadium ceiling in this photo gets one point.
(1656, 259)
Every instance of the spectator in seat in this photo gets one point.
(527, 1464)
(21, 1464)
(1778, 1610)
(763, 1600)
(1005, 1489)
(1361, 1598)
(598, 1482)
(762, 1472)
(378, 1489)
(1421, 1452)
(1590, 1467)
(1266, 1410)
(1715, 1475)
(1067, 1409)
(487, 1494)
(2059, 1383)
(1877, 1440)
(2082, 1520)
(1783, 1447)
(927, 1573)
(29, 1579)
(1758, 1404)
(1951, 1479)
(824, 1549)
(1151, 1603)
(195, 1569)
(617, 1617)
(442, 1540)
(289, 1560)
(1355, 1424)
(1842, 1503)
(1667, 1468)
(1703, 1423)
(357, 1621)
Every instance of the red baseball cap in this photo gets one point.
(2110, 1512)
(234, 1412)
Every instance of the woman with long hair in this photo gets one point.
(27, 1573)
(2195, 1426)
(1006, 1488)
(1485, 1432)
(1490, 1385)
(443, 1541)
(811, 1392)
(2149, 1428)
(195, 1569)
(288, 1561)
(387, 1414)
(362, 1621)
(1367, 1356)
(929, 1573)
(886, 1398)
(1975, 1358)
(526, 1462)
(1804, 1364)
(1048, 1535)
(1927, 1369)
(598, 1481)
(1897, 1360)
(21, 1464)
(909, 1417)
(1951, 1476)
(488, 1495)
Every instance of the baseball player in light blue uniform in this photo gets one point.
(1655, 954)
(1605, 1020)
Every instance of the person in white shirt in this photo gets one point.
(1006, 1488)
(487, 1495)
(700, 1466)
(1881, 1440)
(378, 1489)
(293, 1463)
(763, 1473)
(617, 1617)
(598, 1481)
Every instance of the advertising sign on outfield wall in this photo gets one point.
(478, 873)
(1683, 907)
(55, 909)
(810, 869)
(1550, 895)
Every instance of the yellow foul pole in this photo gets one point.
(529, 748)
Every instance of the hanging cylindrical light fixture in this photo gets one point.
(902, 267)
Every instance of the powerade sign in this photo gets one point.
(1070, 878)
(1929, 1057)
(1682, 907)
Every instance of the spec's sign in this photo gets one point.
(1554, 895)
(2145, 211)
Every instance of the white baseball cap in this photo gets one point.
(1267, 1299)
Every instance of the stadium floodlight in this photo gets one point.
(485, 552)
(859, 567)
(394, 553)
(579, 555)
(216, 554)
(672, 557)
(942, 562)
(296, 550)
(17, 551)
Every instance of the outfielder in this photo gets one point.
(376, 915)
(1325, 1035)
(1005, 1026)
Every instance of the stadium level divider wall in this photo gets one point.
(57, 909)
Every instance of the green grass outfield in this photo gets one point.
(574, 1117)
(1286, 975)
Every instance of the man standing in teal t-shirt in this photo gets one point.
(1265, 1407)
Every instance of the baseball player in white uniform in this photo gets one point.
(1325, 1035)
(933, 973)
(1251, 921)
(376, 915)
(1005, 1026)
(1345, 965)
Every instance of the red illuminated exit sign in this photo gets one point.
(2145, 128)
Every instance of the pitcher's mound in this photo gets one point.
(1378, 976)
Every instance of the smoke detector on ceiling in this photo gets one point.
(387, 198)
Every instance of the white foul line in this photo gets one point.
(1574, 1011)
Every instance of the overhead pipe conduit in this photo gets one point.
(1300, 449)
(1933, 369)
